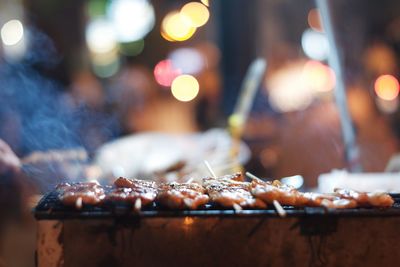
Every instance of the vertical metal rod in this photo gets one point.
(352, 154)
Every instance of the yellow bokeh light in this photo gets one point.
(318, 76)
(195, 13)
(185, 88)
(206, 2)
(387, 87)
(175, 27)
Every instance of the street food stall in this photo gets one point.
(200, 133)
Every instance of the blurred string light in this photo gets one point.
(196, 14)
(314, 20)
(12, 32)
(315, 44)
(319, 77)
(132, 19)
(174, 27)
(387, 87)
(188, 60)
(165, 72)
(185, 88)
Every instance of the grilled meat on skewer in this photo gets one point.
(228, 192)
(363, 199)
(326, 200)
(287, 195)
(130, 190)
(78, 194)
(270, 191)
(182, 195)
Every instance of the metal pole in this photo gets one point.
(352, 153)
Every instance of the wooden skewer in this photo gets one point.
(277, 205)
(187, 202)
(189, 181)
(237, 207)
(78, 203)
(138, 204)
(209, 169)
(279, 209)
(252, 176)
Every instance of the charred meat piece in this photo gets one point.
(182, 195)
(231, 193)
(79, 194)
(363, 199)
(327, 200)
(270, 191)
(130, 190)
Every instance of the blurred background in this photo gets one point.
(81, 73)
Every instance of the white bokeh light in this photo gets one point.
(100, 36)
(188, 60)
(315, 44)
(131, 19)
(12, 32)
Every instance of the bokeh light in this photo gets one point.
(132, 48)
(185, 88)
(165, 73)
(107, 70)
(176, 28)
(195, 13)
(318, 76)
(287, 90)
(387, 87)
(100, 36)
(314, 20)
(188, 60)
(315, 44)
(12, 32)
(206, 2)
(131, 19)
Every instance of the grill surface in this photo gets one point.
(50, 207)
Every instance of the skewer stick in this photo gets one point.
(277, 205)
(78, 203)
(279, 209)
(138, 205)
(237, 207)
(209, 169)
(190, 180)
(253, 177)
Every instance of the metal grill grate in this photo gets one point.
(50, 207)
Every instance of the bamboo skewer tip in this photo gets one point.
(210, 169)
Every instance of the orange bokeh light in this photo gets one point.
(387, 87)
(314, 20)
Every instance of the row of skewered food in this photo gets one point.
(228, 191)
